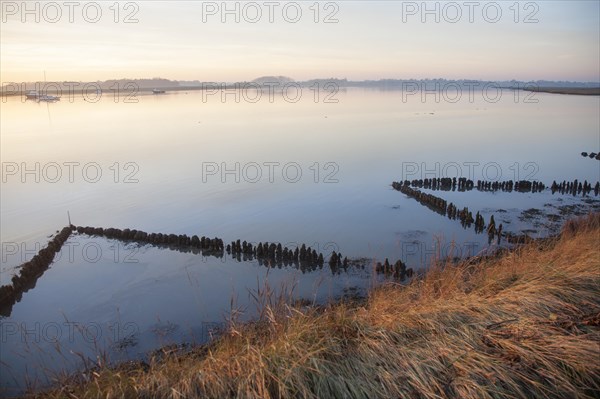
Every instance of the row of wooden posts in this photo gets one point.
(268, 254)
(462, 184)
(575, 187)
(464, 215)
(30, 271)
(398, 270)
(591, 155)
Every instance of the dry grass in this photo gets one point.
(522, 326)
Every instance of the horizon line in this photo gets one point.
(282, 77)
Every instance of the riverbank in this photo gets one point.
(581, 91)
(526, 324)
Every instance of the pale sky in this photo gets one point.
(187, 40)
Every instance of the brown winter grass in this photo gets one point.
(524, 325)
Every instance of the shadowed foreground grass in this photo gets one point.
(521, 326)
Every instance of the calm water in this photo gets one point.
(309, 172)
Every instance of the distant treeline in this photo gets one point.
(124, 85)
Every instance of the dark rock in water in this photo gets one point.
(598, 157)
(584, 154)
(593, 155)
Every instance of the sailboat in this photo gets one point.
(43, 97)
(48, 98)
(32, 95)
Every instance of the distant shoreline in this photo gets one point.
(581, 91)
(132, 91)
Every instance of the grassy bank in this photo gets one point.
(520, 326)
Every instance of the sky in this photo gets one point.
(357, 40)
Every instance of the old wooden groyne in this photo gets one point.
(30, 271)
(442, 207)
(268, 254)
(398, 270)
(463, 184)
